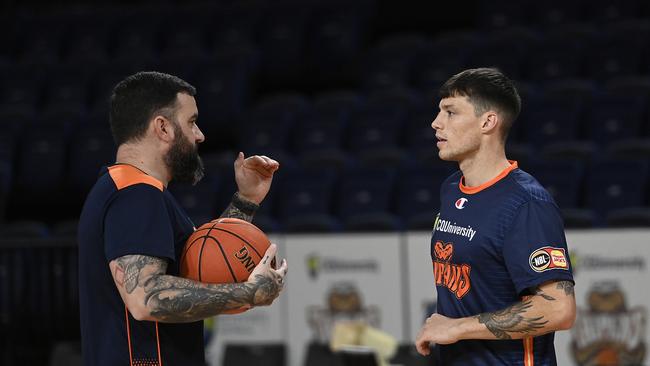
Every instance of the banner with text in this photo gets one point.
(342, 278)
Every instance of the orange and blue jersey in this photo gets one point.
(128, 212)
(490, 245)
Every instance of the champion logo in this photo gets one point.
(460, 203)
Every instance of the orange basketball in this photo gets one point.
(223, 251)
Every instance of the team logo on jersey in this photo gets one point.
(460, 203)
(547, 258)
(455, 277)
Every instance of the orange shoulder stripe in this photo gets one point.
(127, 175)
(491, 182)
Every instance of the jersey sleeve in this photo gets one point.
(535, 248)
(137, 222)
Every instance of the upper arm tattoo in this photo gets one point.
(511, 319)
(538, 291)
(134, 270)
(567, 286)
(240, 208)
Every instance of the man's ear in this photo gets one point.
(490, 122)
(162, 128)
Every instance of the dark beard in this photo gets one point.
(184, 161)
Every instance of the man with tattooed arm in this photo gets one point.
(135, 310)
(500, 259)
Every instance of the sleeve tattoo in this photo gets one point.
(511, 320)
(176, 300)
(240, 208)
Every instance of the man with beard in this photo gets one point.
(135, 310)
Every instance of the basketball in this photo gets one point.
(223, 251)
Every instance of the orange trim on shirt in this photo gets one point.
(128, 335)
(529, 358)
(158, 343)
(127, 175)
(491, 182)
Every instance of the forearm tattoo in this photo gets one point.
(567, 286)
(512, 320)
(240, 208)
(176, 300)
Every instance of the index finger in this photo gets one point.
(422, 347)
(269, 254)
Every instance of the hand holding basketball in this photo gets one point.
(254, 176)
(268, 281)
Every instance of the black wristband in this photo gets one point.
(244, 205)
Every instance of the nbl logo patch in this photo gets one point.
(547, 258)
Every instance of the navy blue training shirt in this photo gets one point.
(490, 244)
(129, 212)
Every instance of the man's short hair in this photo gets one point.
(486, 88)
(141, 96)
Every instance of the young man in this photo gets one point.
(135, 310)
(500, 258)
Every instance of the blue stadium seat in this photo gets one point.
(556, 12)
(603, 11)
(505, 49)
(134, 43)
(305, 201)
(364, 200)
(41, 167)
(237, 23)
(199, 200)
(318, 133)
(635, 148)
(560, 54)
(550, 119)
(42, 48)
(335, 38)
(184, 44)
(561, 178)
(90, 149)
(418, 131)
(418, 194)
(389, 64)
(613, 185)
(376, 127)
(340, 104)
(24, 230)
(430, 70)
(615, 117)
(629, 217)
(20, 90)
(222, 94)
(282, 39)
(501, 13)
(87, 45)
(268, 124)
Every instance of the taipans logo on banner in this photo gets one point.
(317, 265)
(608, 332)
(343, 303)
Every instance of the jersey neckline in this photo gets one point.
(472, 190)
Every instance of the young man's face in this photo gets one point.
(457, 128)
